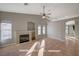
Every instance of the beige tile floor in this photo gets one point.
(42, 47)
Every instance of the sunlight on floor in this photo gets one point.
(29, 53)
(40, 51)
(54, 50)
(42, 47)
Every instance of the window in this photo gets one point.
(39, 30)
(70, 28)
(44, 29)
(6, 31)
(67, 29)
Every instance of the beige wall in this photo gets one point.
(19, 22)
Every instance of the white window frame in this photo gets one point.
(44, 30)
(39, 30)
(6, 31)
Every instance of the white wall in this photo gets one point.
(56, 30)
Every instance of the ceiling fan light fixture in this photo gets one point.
(43, 17)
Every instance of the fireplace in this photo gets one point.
(23, 38)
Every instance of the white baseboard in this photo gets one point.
(62, 40)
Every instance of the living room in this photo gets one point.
(32, 29)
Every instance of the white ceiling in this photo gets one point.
(59, 10)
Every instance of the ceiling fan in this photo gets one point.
(45, 15)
